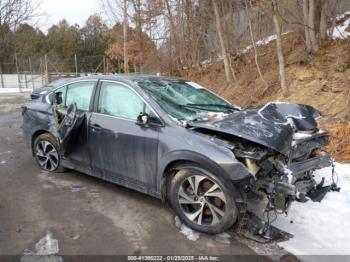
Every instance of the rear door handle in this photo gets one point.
(96, 127)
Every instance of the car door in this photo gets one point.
(71, 113)
(121, 150)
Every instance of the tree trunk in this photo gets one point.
(306, 25)
(279, 48)
(312, 31)
(125, 35)
(228, 74)
(190, 34)
(254, 45)
(137, 8)
(174, 45)
(323, 20)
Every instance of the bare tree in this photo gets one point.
(176, 34)
(12, 14)
(125, 36)
(323, 20)
(138, 23)
(117, 12)
(306, 27)
(282, 70)
(15, 12)
(311, 26)
(253, 43)
(190, 39)
(228, 74)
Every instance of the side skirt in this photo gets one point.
(121, 181)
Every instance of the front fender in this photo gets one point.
(230, 169)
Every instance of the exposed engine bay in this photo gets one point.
(281, 156)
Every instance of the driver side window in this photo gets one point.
(120, 101)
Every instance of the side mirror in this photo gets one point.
(58, 98)
(143, 119)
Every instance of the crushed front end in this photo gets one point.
(281, 146)
(277, 179)
(285, 178)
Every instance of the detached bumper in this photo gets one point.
(321, 161)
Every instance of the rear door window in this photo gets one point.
(80, 93)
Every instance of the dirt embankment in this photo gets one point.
(322, 80)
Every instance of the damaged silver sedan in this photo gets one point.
(177, 141)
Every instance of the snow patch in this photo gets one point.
(13, 90)
(339, 31)
(320, 228)
(246, 49)
(46, 246)
(186, 231)
(261, 42)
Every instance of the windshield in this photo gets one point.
(185, 100)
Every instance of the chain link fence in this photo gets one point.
(34, 72)
(22, 74)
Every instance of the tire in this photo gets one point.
(47, 153)
(203, 201)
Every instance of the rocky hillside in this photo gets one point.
(322, 80)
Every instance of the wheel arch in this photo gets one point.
(234, 173)
(170, 171)
(184, 159)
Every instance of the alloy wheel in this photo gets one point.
(46, 155)
(202, 200)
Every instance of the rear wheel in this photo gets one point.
(46, 152)
(202, 201)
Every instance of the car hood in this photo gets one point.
(271, 125)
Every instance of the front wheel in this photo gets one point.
(202, 201)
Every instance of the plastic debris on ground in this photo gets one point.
(320, 228)
(186, 231)
(76, 237)
(223, 238)
(76, 187)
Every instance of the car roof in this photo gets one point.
(128, 77)
(59, 81)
